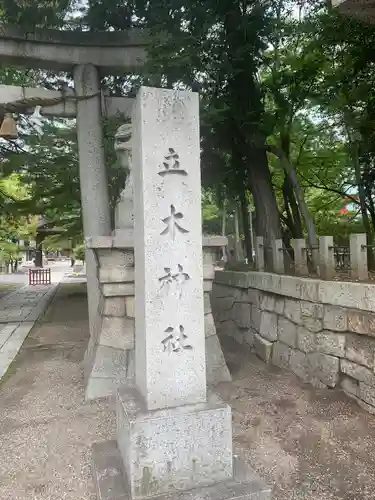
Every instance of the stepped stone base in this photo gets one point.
(110, 483)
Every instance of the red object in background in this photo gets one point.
(343, 210)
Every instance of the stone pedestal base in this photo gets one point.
(173, 449)
(110, 482)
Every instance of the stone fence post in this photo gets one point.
(259, 253)
(278, 256)
(326, 258)
(300, 257)
(358, 257)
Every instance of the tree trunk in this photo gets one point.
(293, 213)
(267, 221)
(238, 243)
(309, 222)
(224, 229)
(246, 226)
(354, 153)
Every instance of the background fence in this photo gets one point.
(39, 276)
(326, 261)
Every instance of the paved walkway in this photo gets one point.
(19, 311)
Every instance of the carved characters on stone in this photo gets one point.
(171, 164)
(176, 281)
(175, 341)
(172, 224)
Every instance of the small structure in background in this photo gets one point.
(39, 277)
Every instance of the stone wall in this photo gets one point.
(323, 331)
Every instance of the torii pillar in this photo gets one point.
(93, 181)
(89, 56)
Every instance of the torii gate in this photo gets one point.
(89, 56)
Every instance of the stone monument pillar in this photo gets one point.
(174, 440)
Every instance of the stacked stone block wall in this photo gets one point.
(323, 331)
(113, 353)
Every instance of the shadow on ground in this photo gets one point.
(311, 444)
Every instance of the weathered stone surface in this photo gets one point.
(170, 365)
(209, 325)
(279, 305)
(233, 278)
(299, 365)
(248, 336)
(207, 303)
(335, 318)
(292, 311)
(358, 372)
(350, 386)
(306, 340)
(313, 324)
(263, 348)
(252, 296)
(347, 294)
(117, 289)
(241, 314)
(281, 354)
(114, 306)
(130, 306)
(325, 368)
(268, 326)
(204, 436)
(360, 350)
(255, 318)
(228, 327)
(267, 302)
(366, 407)
(117, 332)
(222, 291)
(223, 303)
(224, 314)
(111, 485)
(287, 332)
(112, 257)
(116, 274)
(112, 363)
(367, 393)
(216, 367)
(361, 322)
(331, 343)
(311, 310)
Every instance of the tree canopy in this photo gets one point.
(287, 94)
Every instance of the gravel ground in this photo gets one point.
(311, 444)
(46, 428)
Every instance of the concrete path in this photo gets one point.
(19, 310)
